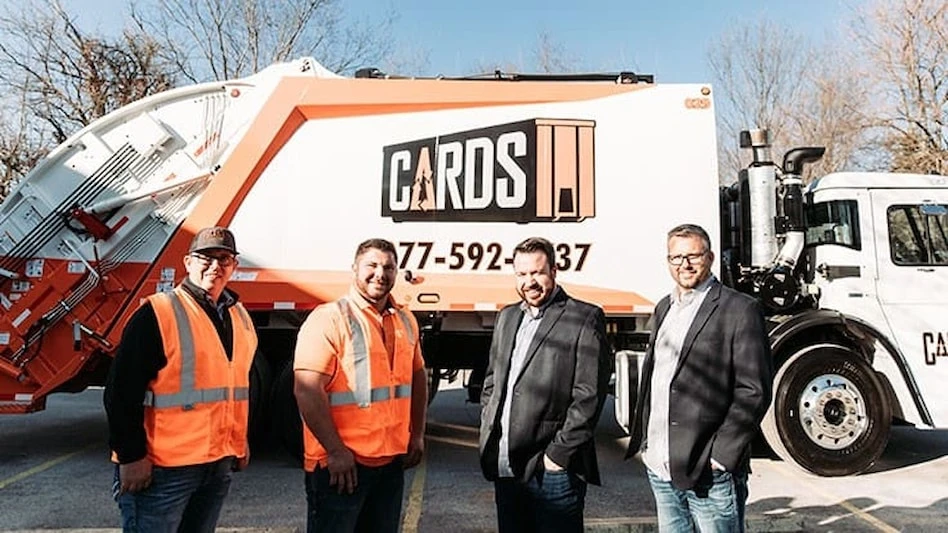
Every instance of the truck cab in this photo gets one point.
(879, 246)
(851, 271)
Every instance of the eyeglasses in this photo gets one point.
(679, 260)
(225, 260)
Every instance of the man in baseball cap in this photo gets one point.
(177, 396)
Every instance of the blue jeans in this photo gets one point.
(183, 498)
(374, 507)
(553, 504)
(721, 510)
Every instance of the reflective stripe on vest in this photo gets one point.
(407, 323)
(187, 397)
(248, 324)
(364, 395)
(243, 393)
(377, 394)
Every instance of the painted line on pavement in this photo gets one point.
(43, 467)
(415, 498)
(456, 427)
(852, 509)
(449, 440)
(649, 524)
(600, 523)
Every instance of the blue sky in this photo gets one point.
(667, 38)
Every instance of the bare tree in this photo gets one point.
(21, 144)
(907, 44)
(63, 78)
(552, 56)
(548, 56)
(224, 39)
(768, 76)
(407, 60)
(834, 111)
(758, 72)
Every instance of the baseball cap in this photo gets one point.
(213, 238)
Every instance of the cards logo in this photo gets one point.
(538, 170)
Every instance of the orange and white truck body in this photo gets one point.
(303, 165)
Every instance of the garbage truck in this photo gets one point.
(303, 165)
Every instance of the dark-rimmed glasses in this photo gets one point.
(692, 259)
(224, 260)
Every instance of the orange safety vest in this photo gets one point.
(369, 401)
(196, 409)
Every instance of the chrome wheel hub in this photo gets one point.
(832, 412)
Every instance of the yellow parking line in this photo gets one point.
(40, 468)
(415, 498)
(855, 511)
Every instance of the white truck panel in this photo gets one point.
(654, 166)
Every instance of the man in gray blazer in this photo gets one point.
(706, 384)
(543, 392)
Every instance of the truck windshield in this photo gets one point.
(833, 222)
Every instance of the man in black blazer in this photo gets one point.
(544, 389)
(706, 384)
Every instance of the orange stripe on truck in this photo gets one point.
(259, 288)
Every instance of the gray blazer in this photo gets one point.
(557, 397)
(719, 392)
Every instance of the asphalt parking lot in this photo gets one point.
(55, 475)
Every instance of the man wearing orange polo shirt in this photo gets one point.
(361, 387)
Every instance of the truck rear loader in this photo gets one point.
(303, 165)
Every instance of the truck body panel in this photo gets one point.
(464, 263)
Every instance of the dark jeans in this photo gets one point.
(720, 510)
(554, 504)
(183, 498)
(374, 507)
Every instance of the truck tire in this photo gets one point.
(287, 424)
(830, 414)
(261, 380)
(434, 380)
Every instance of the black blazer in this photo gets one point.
(557, 397)
(719, 392)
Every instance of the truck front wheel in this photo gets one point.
(830, 414)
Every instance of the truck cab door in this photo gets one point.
(912, 284)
